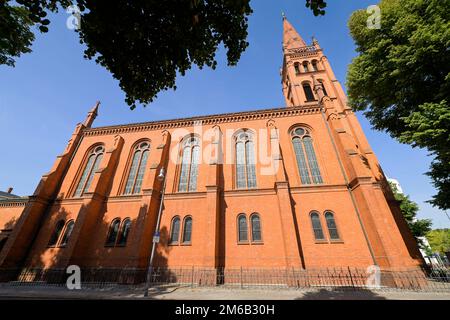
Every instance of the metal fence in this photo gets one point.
(434, 280)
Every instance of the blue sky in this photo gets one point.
(51, 89)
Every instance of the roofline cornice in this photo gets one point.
(206, 120)
(14, 202)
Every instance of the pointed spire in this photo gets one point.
(291, 38)
(91, 115)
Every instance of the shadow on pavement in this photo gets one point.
(341, 294)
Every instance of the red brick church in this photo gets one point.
(297, 187)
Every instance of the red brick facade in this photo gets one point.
(348, 183)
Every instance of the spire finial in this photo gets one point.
(91, 115)
(95, 108)
(283, 15)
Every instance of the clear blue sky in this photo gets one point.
(51, 89)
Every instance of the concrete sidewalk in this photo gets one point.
(203, 293)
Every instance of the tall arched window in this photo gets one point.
(314, 65)
(242, 228)
(189, 165)
(317, 226)
(323, 87)
(175, 230)
(92, 164)
(56, 233)
(67, 233)
(124, 231)
(245, 161)
(308, 91)
(305, 66)
(137, 168)
(331, 225)
(187, 230)
(256, 227)
(308, 166)
(297, 68)
(113, 232)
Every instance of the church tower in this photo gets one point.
(303, 65)
(307, 81)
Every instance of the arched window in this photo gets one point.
(308, 92)
(245, 161)
(175, 230)
(323, 87)
(113, 232)
(297, 68)
(189, 165)
(92, 164)
(308, 166)
(187, 230)
(124, 231)
(317, 226)
(305, 66)
(242, 228)
(67, 233)
(137, 168)
(331, 225)
(314, 65)
(256, 227)
(56, 233)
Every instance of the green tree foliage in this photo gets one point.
(15, 34)
(143, 43)
(401, 78)
(429, 127)
(317, 6)
(419, 227)
(439, 240)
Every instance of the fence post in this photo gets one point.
(351, 278)
(192, 277)
(242, 285)
(293, 278)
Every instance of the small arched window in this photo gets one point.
(308, 92)
(331, 225)
(245, 160)
(67, 233)
(137, 168)
(305, 66)
(113, 232)
(175, 230)
(56, 233)
(124, 231)
(190, 158)
(323, 87)
(314, 65)
(187, 230)
(92, 164)
(317, 226)
(297, 68)
(307, 164)
(256, 227)
(242, 228)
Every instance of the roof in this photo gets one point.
(6, 195)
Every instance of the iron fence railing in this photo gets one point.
(344, 278)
